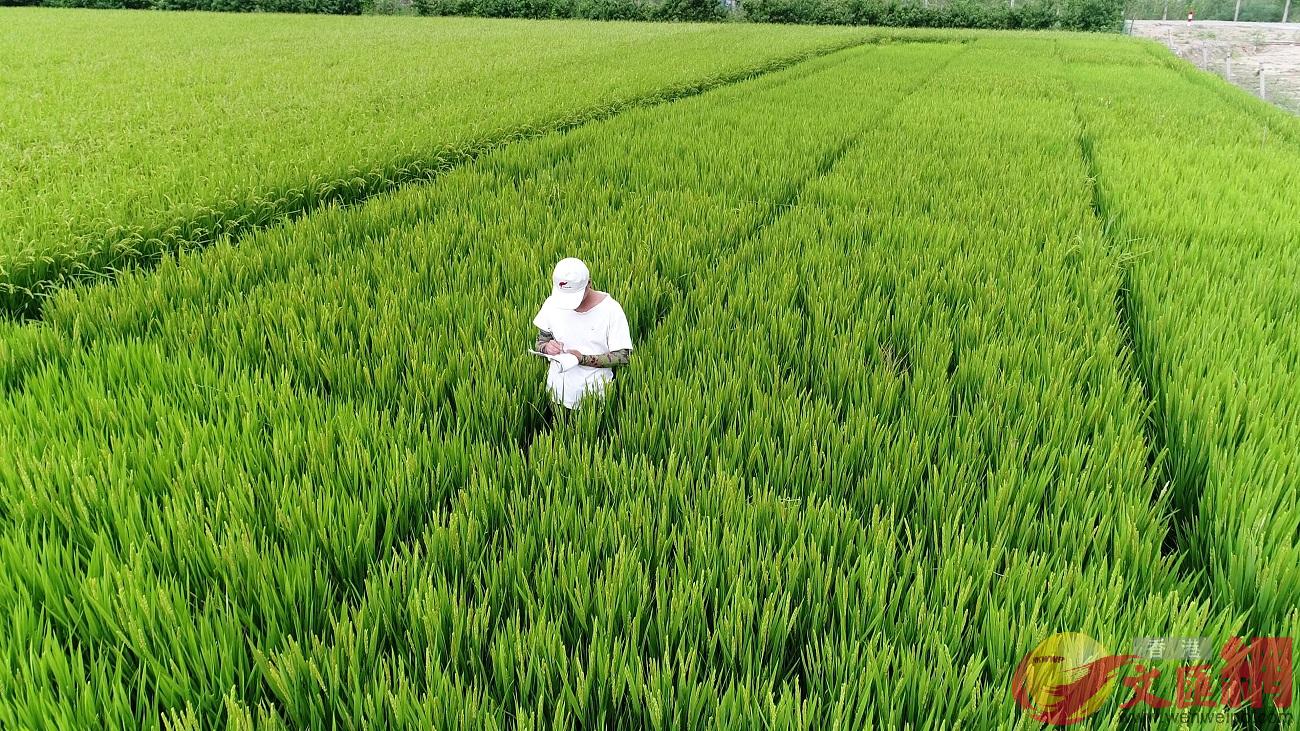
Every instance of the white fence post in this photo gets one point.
(1236, 14)
(1263, 92)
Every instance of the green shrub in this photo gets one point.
(1088, 15)
(387, 7)
(1033, 15)
(778, 11)
(1092, 15)
(331, 7)
(613, 10)
(690, 10)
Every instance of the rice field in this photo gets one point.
(944, 343)
(128, 140)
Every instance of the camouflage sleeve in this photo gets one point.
(606, 360)
(543, 337)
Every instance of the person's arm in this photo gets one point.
(543, 337)
(605, 360)
(546, 343)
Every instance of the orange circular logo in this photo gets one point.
(1066, 678)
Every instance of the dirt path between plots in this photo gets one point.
(1239, 52)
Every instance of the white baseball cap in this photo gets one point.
(569, 283)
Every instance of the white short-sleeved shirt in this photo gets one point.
(602, 329)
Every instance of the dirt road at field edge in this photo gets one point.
(1239, 52)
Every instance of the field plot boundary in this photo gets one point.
(1276, 119)
(26, 284)
(1262, 60)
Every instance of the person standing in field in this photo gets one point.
(589, 324)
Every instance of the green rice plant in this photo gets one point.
(277, 480)
(1197, 197)
(332, 416)
(885, 429)
(1194, 193)
(111, 160)
(905, 338)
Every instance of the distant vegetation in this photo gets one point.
(1096, 15)
(1086, 15)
